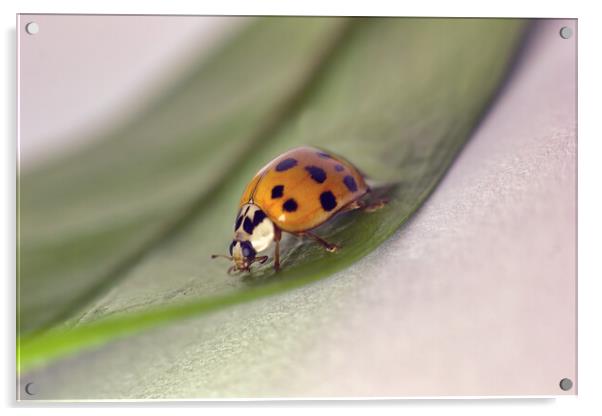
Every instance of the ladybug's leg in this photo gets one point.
(277, 236)
(352, 206)
(365, 206)
(328, 246)
(374, 206)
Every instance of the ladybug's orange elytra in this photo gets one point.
(304, 187)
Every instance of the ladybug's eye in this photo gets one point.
(247, 250)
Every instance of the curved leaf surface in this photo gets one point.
(397, 97)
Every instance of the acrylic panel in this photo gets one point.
(418, 240)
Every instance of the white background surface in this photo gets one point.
(589, 153)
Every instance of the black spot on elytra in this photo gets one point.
(350, 183)
(290, 205)
(247, 249)
(324, 155)
(316, 173)
(339, 168)
(286, 164)
(232, 244)
(247, 225)
(328, 201)
(258, 217)
(277, 191)
(238, 222)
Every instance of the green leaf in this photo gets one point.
(117, 238)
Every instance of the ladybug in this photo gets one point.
(295, 193)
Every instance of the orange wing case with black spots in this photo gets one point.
(304, 187)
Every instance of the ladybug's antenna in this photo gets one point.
(214, 256)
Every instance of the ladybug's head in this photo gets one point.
(253, 232)
(243, 254)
